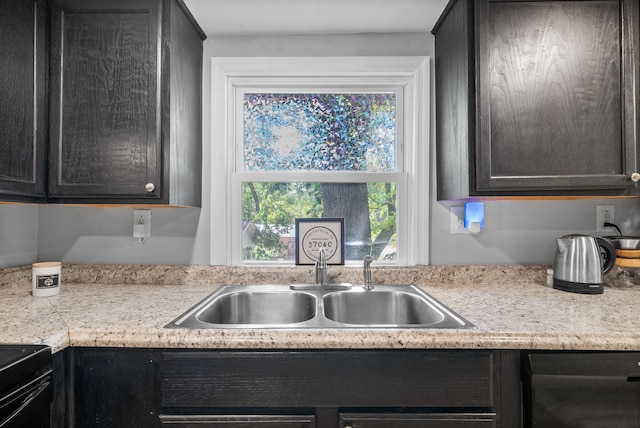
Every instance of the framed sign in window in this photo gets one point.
(312, 234)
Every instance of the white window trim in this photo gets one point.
(229, 72)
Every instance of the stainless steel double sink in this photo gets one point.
(278, 306)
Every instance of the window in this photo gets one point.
(333, 137)
(347, 131)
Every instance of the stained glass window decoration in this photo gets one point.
(319, 132)
(244, 172)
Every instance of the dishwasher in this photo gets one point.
(25, 386)
(581, 389)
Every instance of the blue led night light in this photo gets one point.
(474, 213)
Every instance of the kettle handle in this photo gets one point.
(608, 253)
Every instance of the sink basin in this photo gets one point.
(259, 307)
(277, 306)
(381, 308)
(241, 306)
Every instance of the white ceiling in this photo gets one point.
(287, 17)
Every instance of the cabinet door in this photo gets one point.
(22, 98)
(105, 106)
(556, 83)
(238, 421)
(444, 420)
(114, 387)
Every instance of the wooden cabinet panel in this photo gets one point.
(23, 68)
(238, 421)
(100, 102)
(455, 98)
(537, 98)
(551, 95)
(126, 103)
(552, 89)
(325, 378)
(306, 388)
(438, 420)
(114, 387)
(105, 100)
(182, 106)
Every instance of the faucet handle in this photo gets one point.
(367, 273)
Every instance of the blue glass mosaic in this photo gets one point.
(319, 132)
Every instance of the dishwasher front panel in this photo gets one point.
(581, 389)
(25, 386)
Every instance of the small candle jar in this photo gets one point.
(46, 278)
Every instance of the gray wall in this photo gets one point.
(520, 232)
(104, 235)
(18, 234)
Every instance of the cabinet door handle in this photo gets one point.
(149, 187)
(635, 177)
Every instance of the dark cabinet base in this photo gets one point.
(114, 387)
(152, 388)
(346, 388)
(328, 379)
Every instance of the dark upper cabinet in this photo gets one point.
(23, 70)
(125, 106)
(537, 98)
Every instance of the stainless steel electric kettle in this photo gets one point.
(581, 262)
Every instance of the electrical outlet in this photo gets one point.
(141, 224)
(456, 220)
(604, 214)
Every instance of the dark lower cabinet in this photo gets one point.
(341, 388)
(113, 387)
(346, 420)
(327, 378)
(238, 421)
(145, 388)
(586, 389)
(421, 420)
(61, 407)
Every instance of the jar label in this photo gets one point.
(47, 281)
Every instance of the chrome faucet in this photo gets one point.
(321, 268)
(321, 277)
(367, 273)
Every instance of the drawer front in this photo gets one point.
(328, 378)
(237, 421)
(440, 420)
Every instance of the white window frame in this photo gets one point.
(232, 76)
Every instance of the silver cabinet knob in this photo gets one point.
(149, 187)
(635, 177)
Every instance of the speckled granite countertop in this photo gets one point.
(130, 305)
